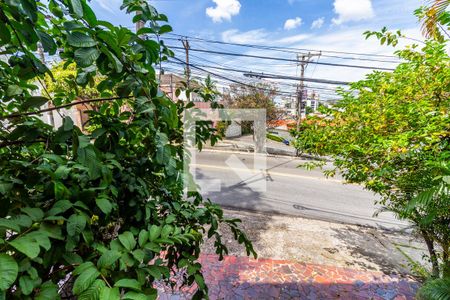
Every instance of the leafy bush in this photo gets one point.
(391, 133)
(103, 211)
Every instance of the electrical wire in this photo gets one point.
(269, 75)
(284, 59)
(292, 50)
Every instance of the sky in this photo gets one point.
(327, 25)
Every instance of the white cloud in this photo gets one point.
(109, 5)
(292, 23)
(260, 36)
(317, 23)
(224, 10)
(352, 10)
(293, 39)
(256, 36)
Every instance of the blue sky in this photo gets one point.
(328, 25)
(213, 17)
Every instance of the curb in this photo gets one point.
(273, 152)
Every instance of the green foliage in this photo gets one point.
(438, 289)
(391, 133)
(435, 19)
(106, 206)
(309, 110)
(64, 83)
(222, 127)
(258, 96)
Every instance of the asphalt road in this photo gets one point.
(231, 180)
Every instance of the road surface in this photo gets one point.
(230, 180)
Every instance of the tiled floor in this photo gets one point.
(244, 278)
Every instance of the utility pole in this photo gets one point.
(303, 61)
(188, 68)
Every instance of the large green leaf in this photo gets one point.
(108, 258)
(26, 284)
(128, 241)
(165, 29)
(93, 292)
(27, 246)
(48, 291)
(137, 296)
(85, 57)
(36, 214)
(75, 225)
(80, 40)
(85, 280)
(88, 158)
(5, 35)
(143, 237)
(59, 207)
(154, 233)
(104, 204)
(89, 14)
(8, 271)
(77, 7)
(110, 293)
(35, 101)
(9, 224)
(128, 283)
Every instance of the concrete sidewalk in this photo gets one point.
(245, 144)
(244, 278)
(307, 259)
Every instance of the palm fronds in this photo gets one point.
(438, 289)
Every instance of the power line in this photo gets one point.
(230, 79)
(226, 68)
(296, 51)
(272, 76)
(285, 59)
(291, 93)
(325, 96)
(285, 49)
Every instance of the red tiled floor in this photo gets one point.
(244, 278)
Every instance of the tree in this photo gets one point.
(207, 90)
(391, 133)
(257, 96)
(63, 84)
(435, 19)
(106, 206)
(308, 110)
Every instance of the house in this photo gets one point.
(169, 84)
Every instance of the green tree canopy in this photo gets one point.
(257, 96)
(391, 132)
(106, 207)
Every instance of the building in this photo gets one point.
(171, 82)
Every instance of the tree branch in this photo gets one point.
(61, 106)
(12, 143)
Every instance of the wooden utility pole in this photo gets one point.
(188, 69)
(303, 60)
